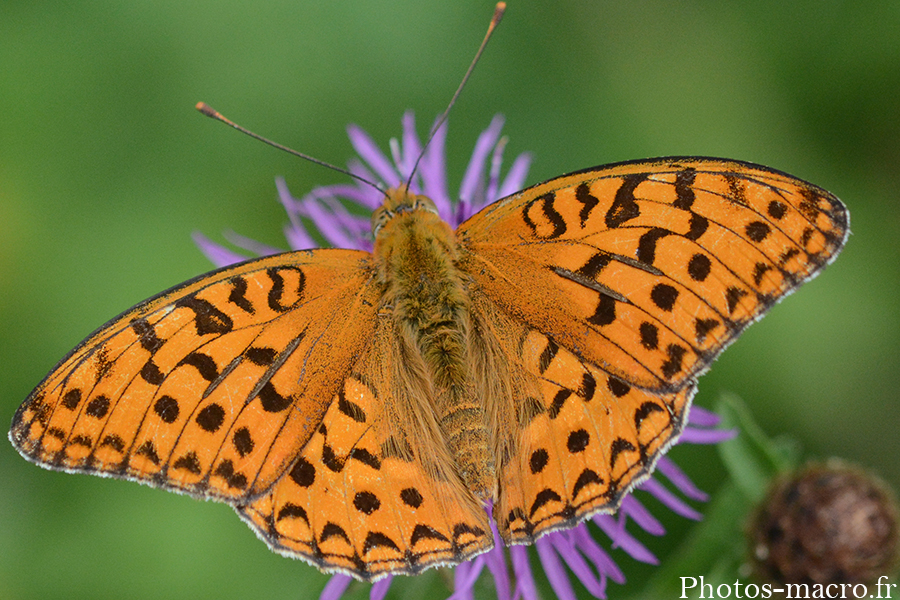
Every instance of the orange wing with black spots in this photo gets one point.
(213, 387)
(617, 287)
(373, 492)
(648, 269)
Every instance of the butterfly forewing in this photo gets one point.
(213, 387)
(649, 269)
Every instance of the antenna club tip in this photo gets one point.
(499, 9)
(206, 109)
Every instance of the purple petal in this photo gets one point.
(615, 529)
(355, 226)
(493, 182)
(335, 587)
(472, 180)
(326, 222)
(218, 255)
(553, 569)
(354, 193)
(673, 473)
(515, 178)
(656, 489)
(588, 546)
(298, 239)
(632, 508)
(691, 435)
(380, 588)
(412, 147)
(576, 563)
(701, 417)
(434, 173)
(525, 587)
(250, 245)
(372, 197)
(465, 576)
(496, 561)
(368, 151)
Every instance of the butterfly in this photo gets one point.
(359, 409)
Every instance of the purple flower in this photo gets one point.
(326, 215)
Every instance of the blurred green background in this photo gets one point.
(106, 169)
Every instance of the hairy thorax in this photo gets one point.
(425, 296)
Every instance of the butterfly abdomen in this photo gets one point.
(416, 256)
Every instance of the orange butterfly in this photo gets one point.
(357, 409)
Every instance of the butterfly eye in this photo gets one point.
(379, 218)
(425, 203)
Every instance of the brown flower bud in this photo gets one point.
(827, 523)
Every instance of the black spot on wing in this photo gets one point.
(366, 502)
(545, 204)
(210, 417)
(543, 497)
(411, 497)
(619, 446)
(757, 231)
(684, 188)
(98, 407)
(189, 462)
(647, 244)
(303, 473)
(376, 539)
(280, 292)
(649, 335)
(547, 355)
(204, 364)
(424, 532)
(71, 399)
(146, 335)
(697, 227)
(605, 312)
(664, 296)
(166, 408)
(208, 319)
(618, 387)
(699, 267)
(594, 265)
(674, 361)
(588, 201)
(350, 408)
(292, 511)
(539, 459)
(238, 294)
(624, 207)
(587, 477)
(558, 401)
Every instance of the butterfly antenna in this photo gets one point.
(207, 110)
(499, 9)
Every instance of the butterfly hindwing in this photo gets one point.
(583, 438)
(371, 493)
(210, 388)
(648, 269)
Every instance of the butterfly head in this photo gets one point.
(398, 202)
